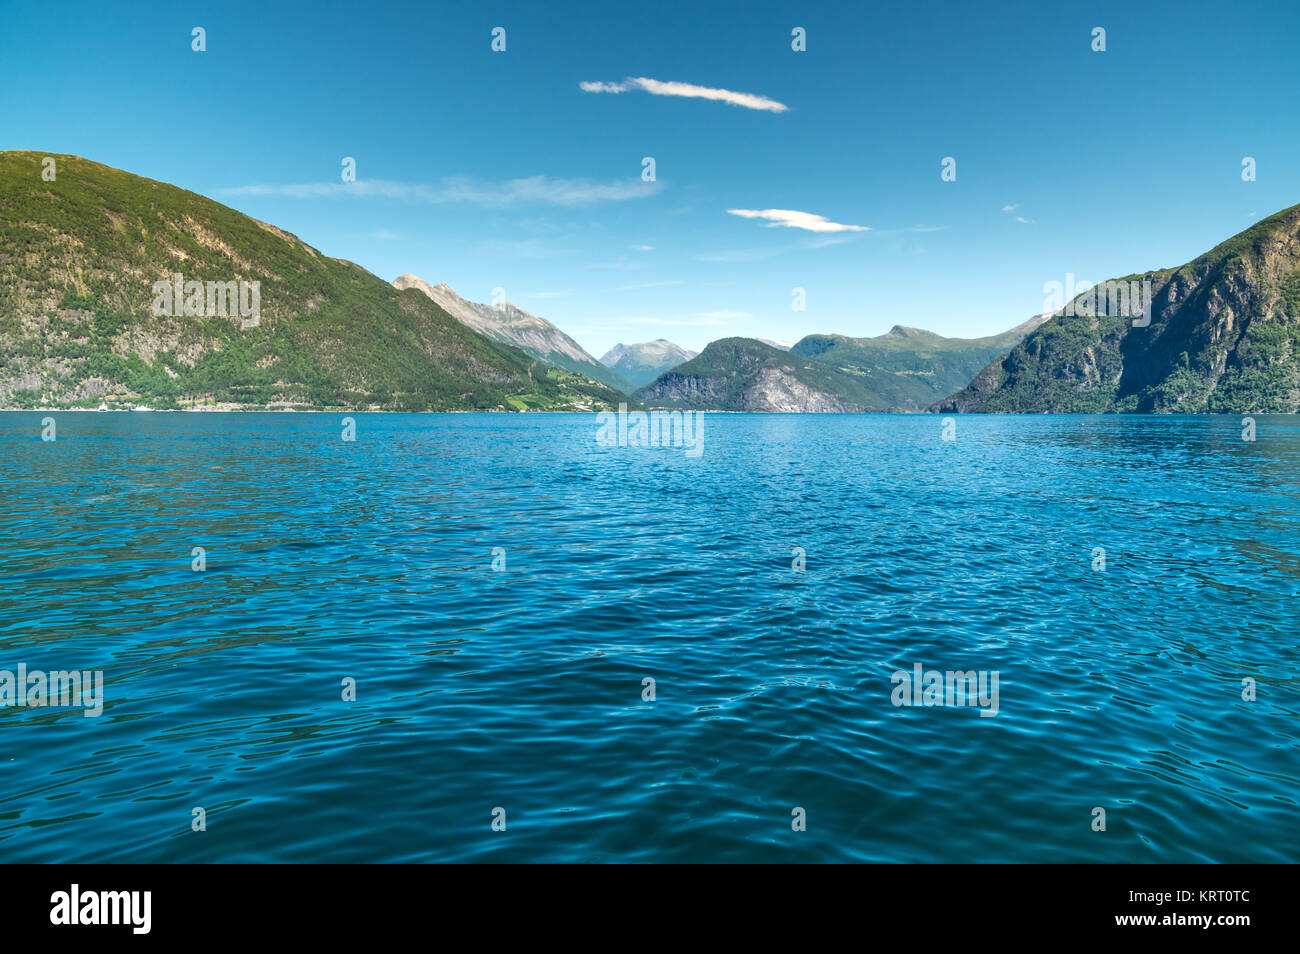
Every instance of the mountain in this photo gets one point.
(909, 368)
(512, 325)
(904, 370)
(780, 345)
(743, 374)
(642, 363)
(87, 263)
(1224, 337)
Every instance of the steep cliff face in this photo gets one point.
(779, 390)
(1224, 337)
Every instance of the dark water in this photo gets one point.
(522, 689)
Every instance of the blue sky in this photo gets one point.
(491, 170)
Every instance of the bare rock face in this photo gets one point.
(778, 390)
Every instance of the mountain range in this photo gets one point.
(905, 369)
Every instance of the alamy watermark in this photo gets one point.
(1131, 299)
(215, 299)
(682, 429)
(932, 687)
(37, 688)
(76, 906)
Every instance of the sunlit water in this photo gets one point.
(522, 688)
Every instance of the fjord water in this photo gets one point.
(522, 688)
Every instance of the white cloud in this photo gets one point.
(534, 189)
(595, 87)
(643, 248)
(688, 90)
(790, 218)
(1010, 208)
(824, 242)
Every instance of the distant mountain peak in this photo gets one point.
(512, 325)
(903, 331)
(642, 363)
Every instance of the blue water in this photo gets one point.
(521, 688)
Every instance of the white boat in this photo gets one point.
(141, 407)
(103, 407)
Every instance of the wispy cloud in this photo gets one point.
(709, 320)
(687, 90)
(1010, 208)
(743, 256)
(829, 240)
(792, 219)
(542, 190)
(621, 262)
(909, 230)
(638, 286)
(643, 248)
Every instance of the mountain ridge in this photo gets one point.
(82, 262)
(905, 369)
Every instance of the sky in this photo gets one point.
(520, 173)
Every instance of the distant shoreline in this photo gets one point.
(925, 413)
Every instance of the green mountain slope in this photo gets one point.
(908, 369)
(903, 370)
(79, 257)
(1224, 337)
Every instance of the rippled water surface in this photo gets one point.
(522, 688)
